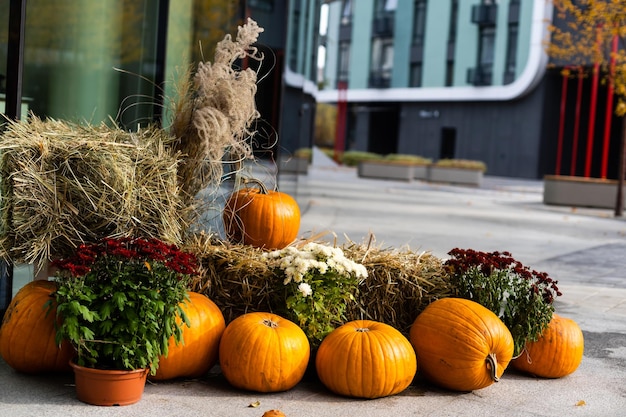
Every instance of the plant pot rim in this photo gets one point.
(74, 365)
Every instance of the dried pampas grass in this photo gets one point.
(216, 106)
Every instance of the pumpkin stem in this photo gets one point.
(362, 330)
(250, 180)
(270, 323)
(492, 366)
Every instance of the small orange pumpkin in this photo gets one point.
(460, 344)
(198, 352)
(27, 335)
(263, 352)
(262, 218)
(274, 413)
(557, 353)
(366, 359)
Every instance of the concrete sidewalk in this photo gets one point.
(583, 249)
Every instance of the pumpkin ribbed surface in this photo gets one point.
(460, 344)
(263, 352)
(198, 354)
(366, 359)
(269, 221)
(27, 335)
(557, 353)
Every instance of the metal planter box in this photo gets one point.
(385, 170)
(455, 175)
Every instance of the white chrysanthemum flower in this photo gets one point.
(305, 289)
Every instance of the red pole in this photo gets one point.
(609, 113)
(559, 146)
(340, 132)
(577, 121)
(592, 119)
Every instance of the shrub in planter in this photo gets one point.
(406, 159)
(352, 158)
(119, 299)
(462, 164)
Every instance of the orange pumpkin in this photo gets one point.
(197, 354)
(366, 359)
(274, 413)
(263, 352)
(557, 353)
(262, 218)
(27, 335)
(460, 344)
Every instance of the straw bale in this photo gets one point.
(63, 184)
(234, 276)
(400, 283)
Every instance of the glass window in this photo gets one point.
(419, 21)
(449, 73)
(487, 45)
(416, 74)
(382, 56)
(346, 12)
(511, 51)
(88, 60)
(454, 13)
(344, 61)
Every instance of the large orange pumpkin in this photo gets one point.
(365, 359)
(263, 352)
(557, 353)
(262, 218)
(460, 344)
(198, 354)
(27, 335)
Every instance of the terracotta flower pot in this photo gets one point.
(109, 387)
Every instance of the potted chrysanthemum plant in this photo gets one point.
(117, 302)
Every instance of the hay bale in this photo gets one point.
(234, 276)
(400, 283)
(63, 184)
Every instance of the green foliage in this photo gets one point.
(352, 158)
(462, 163)
(319, 282)
(118, 302)
(521, 298)
(407, 159)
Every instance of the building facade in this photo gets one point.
(449, 79)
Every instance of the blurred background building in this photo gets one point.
(457, 79)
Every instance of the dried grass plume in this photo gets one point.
(215, 109)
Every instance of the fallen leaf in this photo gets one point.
(580, 403)
(254, 404)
